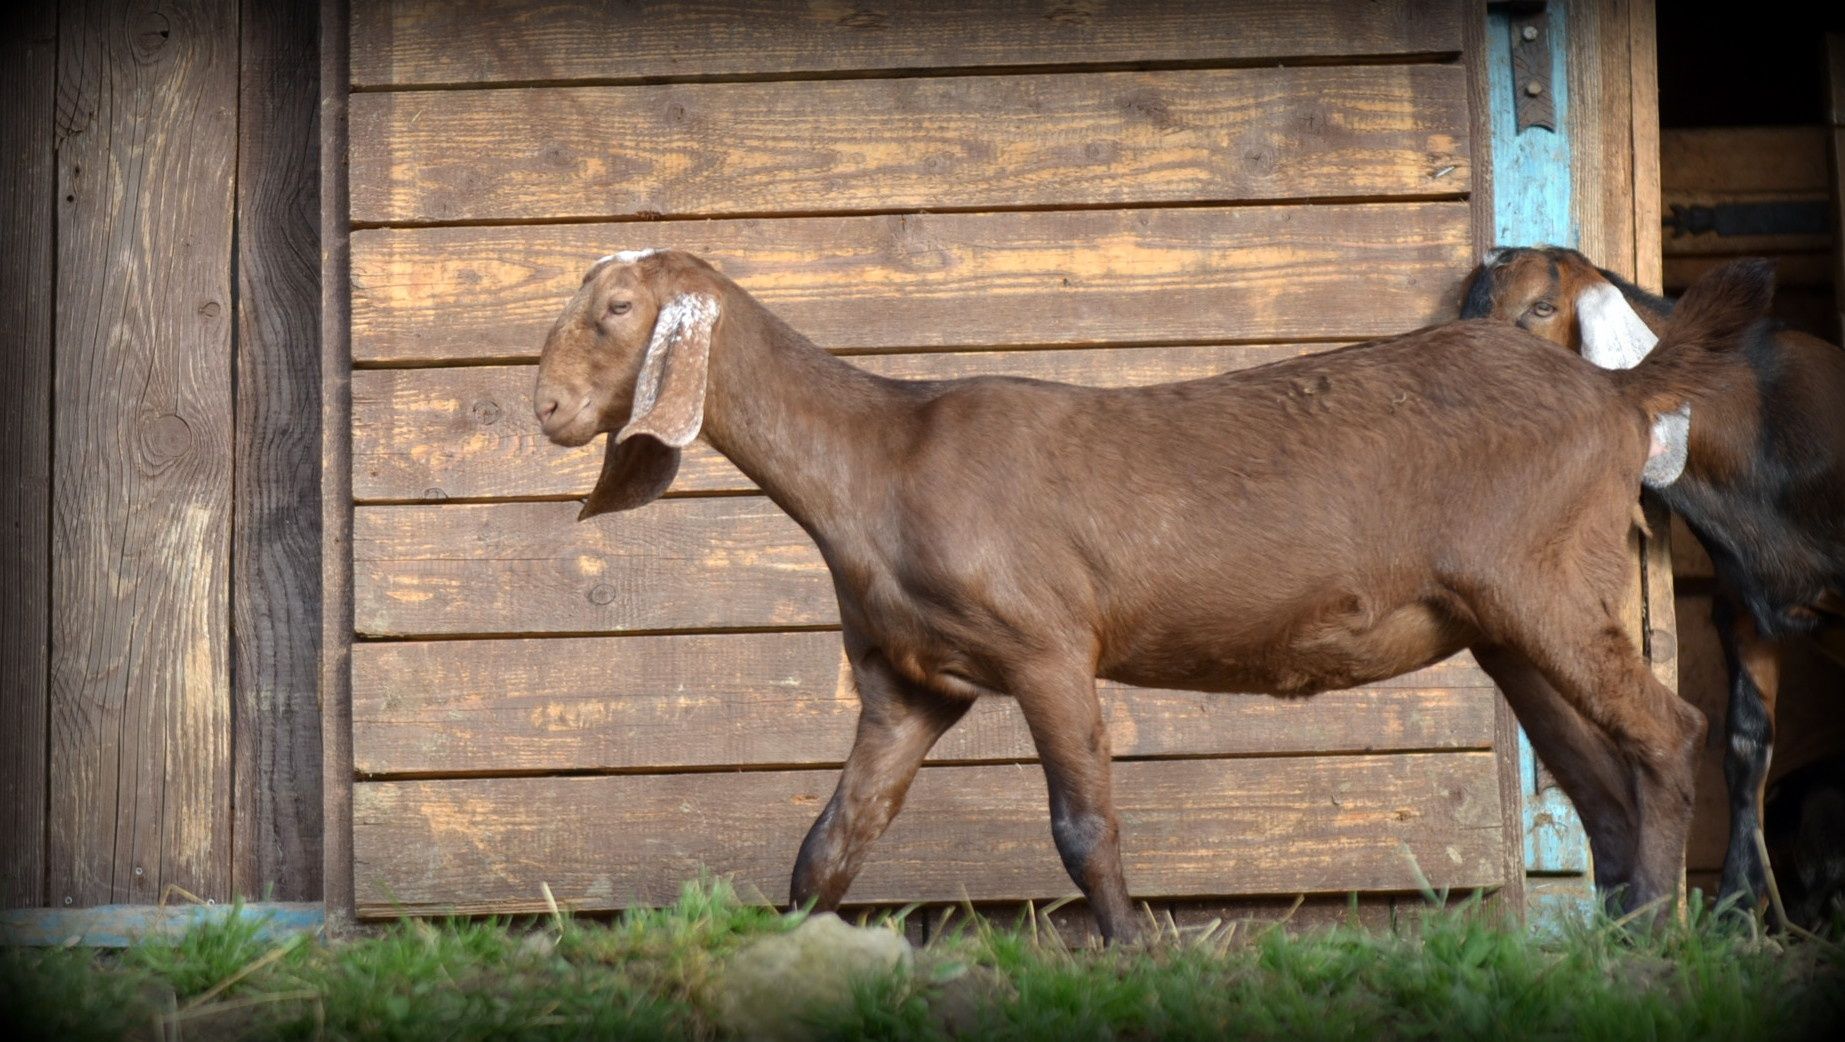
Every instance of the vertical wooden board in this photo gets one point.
(960, 142)
(28, 75)
(1649, 272)
(140, 687)
(1480, 201)
(1602, 148)
(1643, 45)
(399, 42)
(275, 544)
(335, 472)
(1835, 77)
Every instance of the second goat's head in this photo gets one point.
(630, 355)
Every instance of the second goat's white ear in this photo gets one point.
(1671, 445)
(1613, 336)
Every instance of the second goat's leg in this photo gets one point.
(898, 723)
(1749, 730)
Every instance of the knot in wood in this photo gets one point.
(486, 412)
(151, 35)
(165, 438)
(601, 594)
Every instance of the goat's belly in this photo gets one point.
(1297, 660)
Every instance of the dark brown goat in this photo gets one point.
(1763, 488)
(1317, 523)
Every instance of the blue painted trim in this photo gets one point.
(1533, 206)
(118, 926)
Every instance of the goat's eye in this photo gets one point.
(1543, 309)
(619, 307)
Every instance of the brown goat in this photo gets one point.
(1763, 488)
(1317, 523)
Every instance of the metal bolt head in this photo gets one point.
(1534, 88)
(1529, 32)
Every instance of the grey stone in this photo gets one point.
(773, 988)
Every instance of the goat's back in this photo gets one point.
(1252, 506)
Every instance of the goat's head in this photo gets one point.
(1559, 295)
(629, 355)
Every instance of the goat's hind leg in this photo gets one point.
(898, 723)
(1059, 704)
(1749, 730)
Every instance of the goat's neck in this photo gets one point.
(812, 431)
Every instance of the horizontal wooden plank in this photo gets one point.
(706, 563)
(1190, 828)
(469, 433)
(1744, 159)
(945, 280)
(406, 42)
(977, 142)
(1792, 270)
(786, 699)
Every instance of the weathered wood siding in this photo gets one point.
(160, 640)
(1116, 194)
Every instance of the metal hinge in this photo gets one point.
(1533, 94)
(1812, 217)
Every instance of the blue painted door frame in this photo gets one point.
(1532, 206)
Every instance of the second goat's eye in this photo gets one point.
(619, 307)
(1543, 309)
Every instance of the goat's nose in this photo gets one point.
(547, 408)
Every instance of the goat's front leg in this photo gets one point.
(898, 723)
(1066, 726)
(1749, 730)
(1584, 760)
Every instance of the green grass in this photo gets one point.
(1453, 974)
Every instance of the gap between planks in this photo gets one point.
(936, 72)
(650, 217)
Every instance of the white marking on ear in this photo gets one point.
(1493, 255)
(628, 256)
(688, 314)
(1671, 442)
(1613, 336)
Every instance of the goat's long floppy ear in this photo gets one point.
(1613, 335)
(669, 408)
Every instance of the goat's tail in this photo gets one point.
(1708, 321)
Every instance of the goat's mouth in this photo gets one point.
(578, 428)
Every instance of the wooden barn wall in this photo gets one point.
(160, 641)
(1105, 193)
